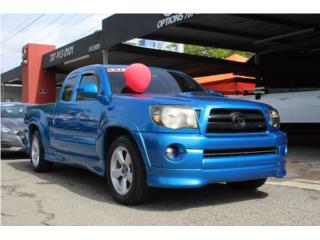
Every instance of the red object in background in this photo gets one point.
(229, 84)
(137, 77)
(38, 86)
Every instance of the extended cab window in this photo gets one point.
(68, 87)
(85, 79)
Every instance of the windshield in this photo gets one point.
(162, 82)
(12, 111)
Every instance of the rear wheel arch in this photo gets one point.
(39, 164)
(31, 130)
(43, 131)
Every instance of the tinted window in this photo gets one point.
(162, 82)
(88, 78)
(67, 91)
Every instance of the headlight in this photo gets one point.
(274, 118)
(8, 130)
(174, 116)
(4, 129)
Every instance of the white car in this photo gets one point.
(295, 106)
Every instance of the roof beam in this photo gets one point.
(315, 50)
(312, 41)
(270, 19)
(220, 30)
(285, 35)
(204, 42)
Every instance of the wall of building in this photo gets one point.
(14, 94)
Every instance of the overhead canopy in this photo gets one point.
(260, 33)
(191, 64)
(13, 76)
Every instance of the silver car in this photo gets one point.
(12, 126)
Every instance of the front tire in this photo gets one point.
(39, 164)
(126, 173)
(247, 185)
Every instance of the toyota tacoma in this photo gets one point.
(175, 134)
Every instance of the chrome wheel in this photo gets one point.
(121, 171)
(35, 152)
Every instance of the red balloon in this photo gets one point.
(137, 77)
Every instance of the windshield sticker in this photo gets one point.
(116, 69)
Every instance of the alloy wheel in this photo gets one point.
(121, 170)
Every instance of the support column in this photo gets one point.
(3, 96)
(105, 57)
(38, 86)
(259, 81)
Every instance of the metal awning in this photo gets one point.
(12, 76)
(128, 54)
(259, 33)
(191, 64)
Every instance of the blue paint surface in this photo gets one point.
(76, 132)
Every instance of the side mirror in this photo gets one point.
(87, 90)
(257, 96)
(259, 91)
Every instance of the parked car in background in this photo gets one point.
(174, 135)
(299, 108)
(12, 126)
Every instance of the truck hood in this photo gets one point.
(197, 99)
(135, 108)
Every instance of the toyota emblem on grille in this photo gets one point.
(238, 120)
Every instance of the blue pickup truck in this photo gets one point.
(174, 135)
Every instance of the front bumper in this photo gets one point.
(191, 169)
(12, 143)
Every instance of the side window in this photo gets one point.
(68, 87)
(91, 79)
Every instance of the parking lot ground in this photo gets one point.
(73, 196)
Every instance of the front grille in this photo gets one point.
(239, 152)
(236, 121)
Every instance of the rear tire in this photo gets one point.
(126, 172)
(39, 164)
(247, 185)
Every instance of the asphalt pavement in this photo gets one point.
(73, 196)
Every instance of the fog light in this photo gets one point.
(171, 152)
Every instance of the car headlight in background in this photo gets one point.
(274, 118)
(174, 116)
(8, 130)
(4, 129)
